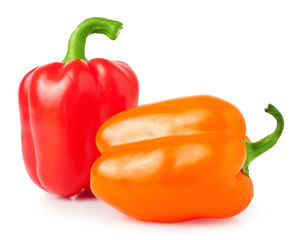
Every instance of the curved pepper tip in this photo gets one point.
(255, 149)
(76, 44)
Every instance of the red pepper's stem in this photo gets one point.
(76, 44)
(255, 149)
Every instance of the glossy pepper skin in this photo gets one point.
(178, 160)
(62, 105)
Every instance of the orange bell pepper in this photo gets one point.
(178, 160)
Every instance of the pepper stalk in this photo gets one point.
(255, 149)
(77, 41)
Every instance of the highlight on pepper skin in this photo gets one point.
(196, 166)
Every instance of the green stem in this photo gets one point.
(77, 41)
(255, 149)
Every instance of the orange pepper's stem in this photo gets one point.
(255, 149)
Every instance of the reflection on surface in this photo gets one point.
(132, 165)
(155, 126)
(190, 154)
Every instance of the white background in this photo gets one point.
(245, 52)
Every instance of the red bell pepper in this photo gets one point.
(62, 105)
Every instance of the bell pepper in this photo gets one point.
(62, 105)
(178, 160)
